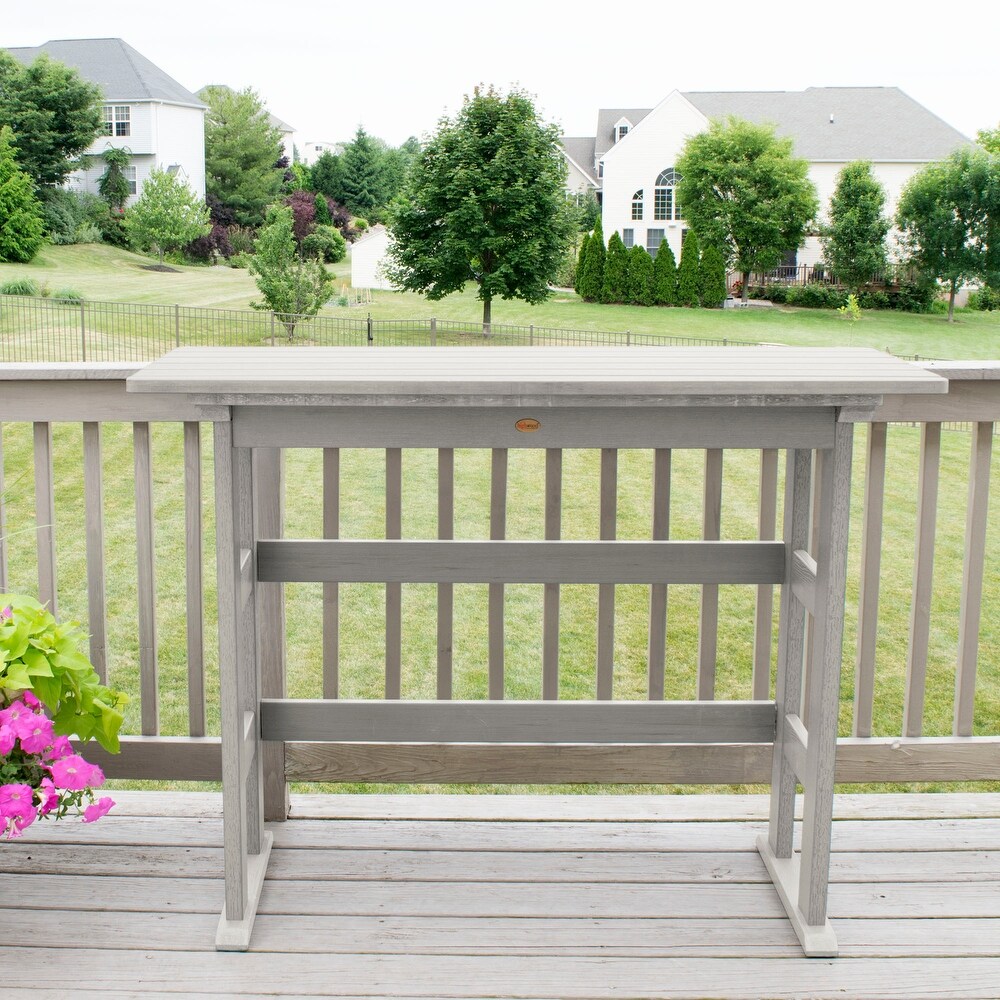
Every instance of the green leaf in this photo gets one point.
(37, 663)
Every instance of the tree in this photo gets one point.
(592, 280)
(949, 215)
(854, 241)
(665, 276)
(712, 278)
(291, 287)
(742, 189)
(327, 176)
(639, 284)
(687, 273)
(581, 263)
(21, 225)
(484, 202)
(989, 139)
(615, 286)
(322, 210)
(242, 149)
(363, 183)
(113, 185)
(167, 215)
(54, 114)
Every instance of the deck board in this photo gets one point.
(645, 901)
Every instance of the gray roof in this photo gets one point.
(581, 151)
(122, 73)
(273, 120)
(869, 123)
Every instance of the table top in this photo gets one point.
(794, 372)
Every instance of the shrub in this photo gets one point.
(815, 297)
(665, 276)
(240, 260)
(615, 285)
(581, 262)
(985, 299)
(875, 298)
(592, 279)
(241, 238)
(917, 294)
(326, 243)
(112, 226)
(566, 275)
(59, 210)
(212, 245)
(362, 225)
(20, 286)
(88, 233)
(639, 279)
(303, 206)
(687, 273)
(322, 211)
(712, 278)
(68, 295)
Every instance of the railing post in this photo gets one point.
(531, 335)
(371, 339)
(177, 325)
(272, 329)
(628, 338)
(83, 331)
(434, 327)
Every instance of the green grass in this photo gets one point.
(362, 606)
(106, 273)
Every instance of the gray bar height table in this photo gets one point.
(798, 399)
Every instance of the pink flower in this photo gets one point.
(17, 808)
(7, 738)
(49, 796)
(35, 735)
(13, 713)
(100, 808)
(30, 699)
(61, 747)
(6, 613)
(75, 774)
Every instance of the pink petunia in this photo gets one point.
(30, 699)
(6, 613)
(75, 774)
(49, 797)
(61, 747)
(13, 713)
(7, 738)
(17, 808)
(35, 735)
(100, 808)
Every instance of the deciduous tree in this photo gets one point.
(854, 241)
(21, 225)
(484, 203)
(949, 215)
(167, 215)
(743, 191)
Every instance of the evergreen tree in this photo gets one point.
(665, 276)
(323, 217)
(581, 262)
(363, 174)
(327, 176)
(113, 185)
(854, 241)
(592, 280)
(712, 277)
(615, 287)
(640, 277)
(21, 225)
(687, 273)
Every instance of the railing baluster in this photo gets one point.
(606, 591)
(767, 520)
(445, 591)
(871, 569)
(550, 598)
(923, 574)
(657, 656)
(393, 591)
(194, 589)
(93, 493)
(45, 517)
(972, 576)
(815, 506)
(708, 629)
(146, 594)
(331, 591)
(498, 531)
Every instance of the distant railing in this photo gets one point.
(130, 502)
(813, 274)
(45, 329)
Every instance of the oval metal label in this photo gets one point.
(528, 424)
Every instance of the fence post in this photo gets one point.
(272, 329)
(434, 328)
(371, 339)
(177, 325)
(531, 335)
(83, 331)
(628, 338)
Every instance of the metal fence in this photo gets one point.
(817, 274)
(46, 329)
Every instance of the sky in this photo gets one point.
(396, 67)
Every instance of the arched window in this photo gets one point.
(637, 205)
(665, 205)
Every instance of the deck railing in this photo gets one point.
(106, 513)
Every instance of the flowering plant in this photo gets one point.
(42, 667)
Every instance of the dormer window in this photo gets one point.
(621, 129)
(637, 206)
(600, 169)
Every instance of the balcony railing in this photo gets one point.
(106, 514)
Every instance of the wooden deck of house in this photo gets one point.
(503, 896)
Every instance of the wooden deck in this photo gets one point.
(503, 896)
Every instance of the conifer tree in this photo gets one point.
(687, 273)
(615, 287)
(322, 211)
(581, 263)
(592, 280)
(640, 277)
(665, 276)
(21, 226)
(712, 275)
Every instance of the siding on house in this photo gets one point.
(367, 260)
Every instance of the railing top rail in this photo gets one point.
(70, 371)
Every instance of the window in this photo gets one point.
(637, 205)
(665, 205)
(654, 237)
(621, 132)
(117, 119)
(130, 177)
(600, 169)
(628, 238)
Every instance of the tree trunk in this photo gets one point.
(746, 287)
(487, 314)
(951, 300)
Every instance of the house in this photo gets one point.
(368, 259)
(313, 149)
(630, 161)
(146, 111)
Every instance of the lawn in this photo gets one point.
(108, 274)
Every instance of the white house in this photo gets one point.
(145, 111)
(368, 258)
(312, 149)
(630, 162)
